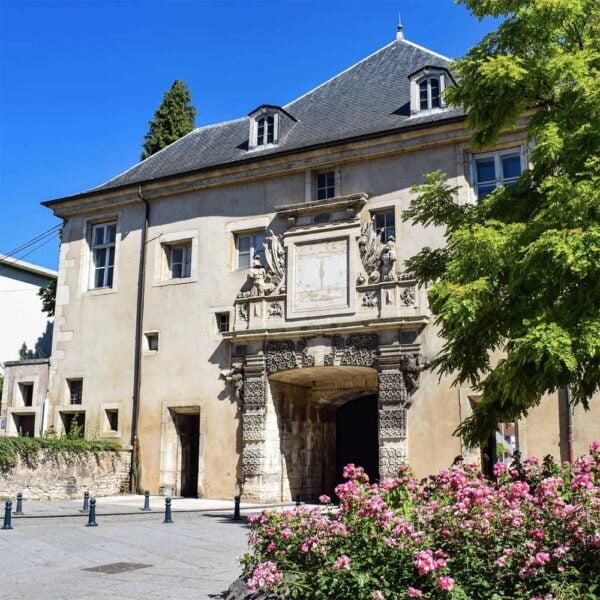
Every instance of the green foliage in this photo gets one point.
(28, 448)
(48, 296)
(520, 274)
(173, 119)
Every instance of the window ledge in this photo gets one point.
(429, 111)
(177, 281)
(111, 434)
(100, 291)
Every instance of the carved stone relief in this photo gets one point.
(254, 393)
(392, 389)
(408, 296)
(392, 423)
(275, 310)
(234, 378)
(243, 312)
(336, 344)
(281, 356)
(360, 350)
(370, 299)
(253, 426)
(308, 360)
(391, 458)
(252, 455)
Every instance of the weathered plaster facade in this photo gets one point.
(263, 380)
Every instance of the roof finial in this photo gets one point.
(400, 28)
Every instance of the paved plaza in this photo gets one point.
(51, 554)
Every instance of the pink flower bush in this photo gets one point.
(533, 534)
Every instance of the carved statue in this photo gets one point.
(370, 248)
(264, 281)
(235, 378)
(388, 261)
(258, 278)
(275, 258)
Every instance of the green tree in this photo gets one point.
(173, 119)
(520, 274)
(48, 296)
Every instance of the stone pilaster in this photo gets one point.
(254, 424)
(398, 379)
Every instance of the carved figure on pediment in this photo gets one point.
(258, 278)
(370, 299)
(275, 259)
(370, 247)
(388, 261)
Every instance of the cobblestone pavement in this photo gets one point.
(57, 557)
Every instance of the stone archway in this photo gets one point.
(311, 406)
(298, 384)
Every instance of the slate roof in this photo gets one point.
(371, 97)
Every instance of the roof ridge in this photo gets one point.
(340, 73)
(425, 49)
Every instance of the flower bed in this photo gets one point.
(533, 535)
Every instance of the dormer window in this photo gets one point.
(426, 89)
(268, 126)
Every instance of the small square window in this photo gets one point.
(222, 321)
(112, 419)
(385, 224)
(179, 258)
(326, 185)
(26, 390)
(248, 248)
(152, 342)
(75, 388)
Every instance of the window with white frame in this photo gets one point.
(248, 247)
(179, 260)
(326, 185)
(103, 254)
(385, 224)
(430, 93)
(493, 169)
(265, 130)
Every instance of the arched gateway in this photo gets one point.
(326, 354)
(312, 405)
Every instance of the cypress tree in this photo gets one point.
(173, 119)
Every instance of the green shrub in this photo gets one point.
(28, 449)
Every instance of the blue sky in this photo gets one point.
(79, 81)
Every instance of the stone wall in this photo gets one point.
(65, 476)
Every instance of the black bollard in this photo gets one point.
(86, 501)
(168, 510)
(19, 510)
(92, 516)
(146, 500)
(298, 502)
(7, 519)
(236, 509)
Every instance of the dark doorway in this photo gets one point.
(357, 438)
(188, 430)
(25, 425)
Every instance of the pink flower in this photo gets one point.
(414, 592)
(425, 562)
(541, 558)
(377, 595)
(445, 583)
(324, 499)
(265, 577)
(342, 562)
(286, 533)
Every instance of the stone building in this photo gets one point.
(237, 304)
